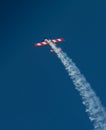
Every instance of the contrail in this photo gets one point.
(94, 108)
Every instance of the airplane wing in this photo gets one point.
(41, 43)
(57, 40)
(45, 42)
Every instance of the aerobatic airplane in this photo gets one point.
(46, 41)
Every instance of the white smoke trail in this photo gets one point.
(94, 108)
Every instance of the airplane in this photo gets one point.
(47, 41)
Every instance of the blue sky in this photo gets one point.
(35, 90)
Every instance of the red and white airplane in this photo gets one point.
(46, 41)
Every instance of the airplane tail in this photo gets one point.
(53, 50)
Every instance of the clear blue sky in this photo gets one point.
(35, 90)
